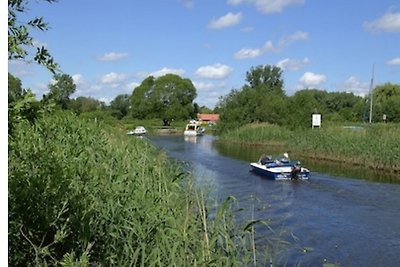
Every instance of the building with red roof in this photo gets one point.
(207, 118)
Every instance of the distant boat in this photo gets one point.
(193, 129)
(140, 130)
(280, 169)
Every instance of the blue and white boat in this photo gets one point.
(280, 169)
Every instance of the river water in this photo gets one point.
(331, 219)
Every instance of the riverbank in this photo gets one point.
(372, 146)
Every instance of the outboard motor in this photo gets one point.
(296, 169)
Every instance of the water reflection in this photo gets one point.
(190, 139)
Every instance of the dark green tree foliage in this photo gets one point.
(263, 100)
(22, 104)
(120, 106)
(203, 109)
(168, 97)
(61, 90)
(19, 37)
(84, 104)
(334, 106)
(266, 78)
(386, 100)
(15, 90)
(304, 103)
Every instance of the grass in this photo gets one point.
(83, 194)
(374, 146)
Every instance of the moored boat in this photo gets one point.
(140, 130)
(193, 129)
(280, 169)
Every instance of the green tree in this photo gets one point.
(22, 104)
(168, 97)
(121, 105)
(303, 104)
(386, 101)
(15, 90)
(20, 39)
(84, 104)
(61, 90)
(266, 78)
(204, 110)
(262, 100)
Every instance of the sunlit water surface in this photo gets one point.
(336, 217)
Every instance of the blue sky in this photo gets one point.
(109, 47)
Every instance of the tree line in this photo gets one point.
(171, 97)
(261, 99)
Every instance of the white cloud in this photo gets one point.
(248, 53)
(312, 79)
(112, 56)
(285, 41)
(227, 20)
(292, 64)
(389, 22)
(165, 70)
(353, 85)
(270, 47)
(296, 36)
(20, 68)
(131, 86)
(394, 61)
(113, 78)
(78, 79)
(209, 86)
(268, 6)
(216, 71)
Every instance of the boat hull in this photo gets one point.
(192, 133)
(276, 172)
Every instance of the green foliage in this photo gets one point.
(386, 100)
(19, 37)
(60, 91)
(266, 78)
(263, 101)
(84, 104)
(22, 105)
(168, 97)
(121, 105)
(15, 90)
(82, 195)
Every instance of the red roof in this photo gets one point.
(208, 117)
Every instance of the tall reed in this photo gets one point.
(374, 146)
(82, 194)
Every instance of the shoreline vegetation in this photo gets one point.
(83, 194)
(375, 146)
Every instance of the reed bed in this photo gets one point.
(83, 195)
(374, 146)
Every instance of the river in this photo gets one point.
(330, 219)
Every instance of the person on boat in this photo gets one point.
(264, 159)
(296, 169)
(283, 160)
